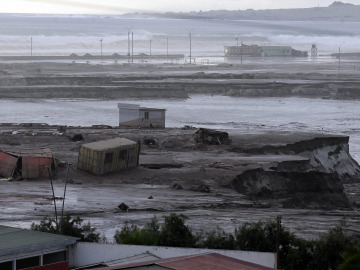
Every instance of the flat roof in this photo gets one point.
(15, 240)
(151, 109)
(109, 144)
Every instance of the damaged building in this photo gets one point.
(262, 51)
(108, 156)
(26, 163)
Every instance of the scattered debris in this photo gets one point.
(54, 198)
(123, 207)
(203, 188)
(219, 165)
(77, 137)
(176, 186)
(151, 197)
(187, 127)
(211, 136)
(150, 142)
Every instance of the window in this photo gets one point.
(28, 262)
(54, 257)
(146, 115)
(6, 265)
(108, 158)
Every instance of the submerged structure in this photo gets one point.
(108, 156)
(262, 51)
(132, 115)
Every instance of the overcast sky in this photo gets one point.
(126, 6)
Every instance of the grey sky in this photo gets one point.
(125, 6)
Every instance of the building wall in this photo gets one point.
(276, 50)
(152, 118)
(34, 167)
(92, 253)
(128, 115)
(54, 266)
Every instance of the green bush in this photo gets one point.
(69, 226)
(325, 253)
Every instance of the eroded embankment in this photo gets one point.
(316, 182)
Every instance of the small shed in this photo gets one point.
(132, 115)
(27, 163)
(107, 156)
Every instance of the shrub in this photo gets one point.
(69, 226)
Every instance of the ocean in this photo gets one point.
(22, 34)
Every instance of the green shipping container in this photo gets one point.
(108, 156)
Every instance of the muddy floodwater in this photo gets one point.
(213, 111)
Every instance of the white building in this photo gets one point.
(132, 115)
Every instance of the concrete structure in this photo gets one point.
(132, 115)
(26, 163)
(207, 261)
(108, 156)
(113, 254)
(262, 51)
(33, 250)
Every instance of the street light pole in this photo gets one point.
(101, 49)
(190, 45)
(132, 47)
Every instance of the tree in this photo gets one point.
(217, 239)
(130, 234)
(330, 246)
(70, 227)
(351, 259)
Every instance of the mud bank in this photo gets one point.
(37, 80)
(199, 180)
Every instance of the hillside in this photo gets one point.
(337, 11)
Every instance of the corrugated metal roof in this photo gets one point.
(15, 240)
(108, 144)
(213, 261)
(143, 257)
(41, 152)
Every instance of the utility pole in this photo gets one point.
(132, 47)
(63, 204)
(101, 49)
(241, 53)
(128, 46)
(237, 41)
(167, 47)
(52, 188)
(150, 50)
(339, 57)
(190, 45)
(278, 231)
(31, 46)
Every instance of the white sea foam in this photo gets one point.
(66, 34)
